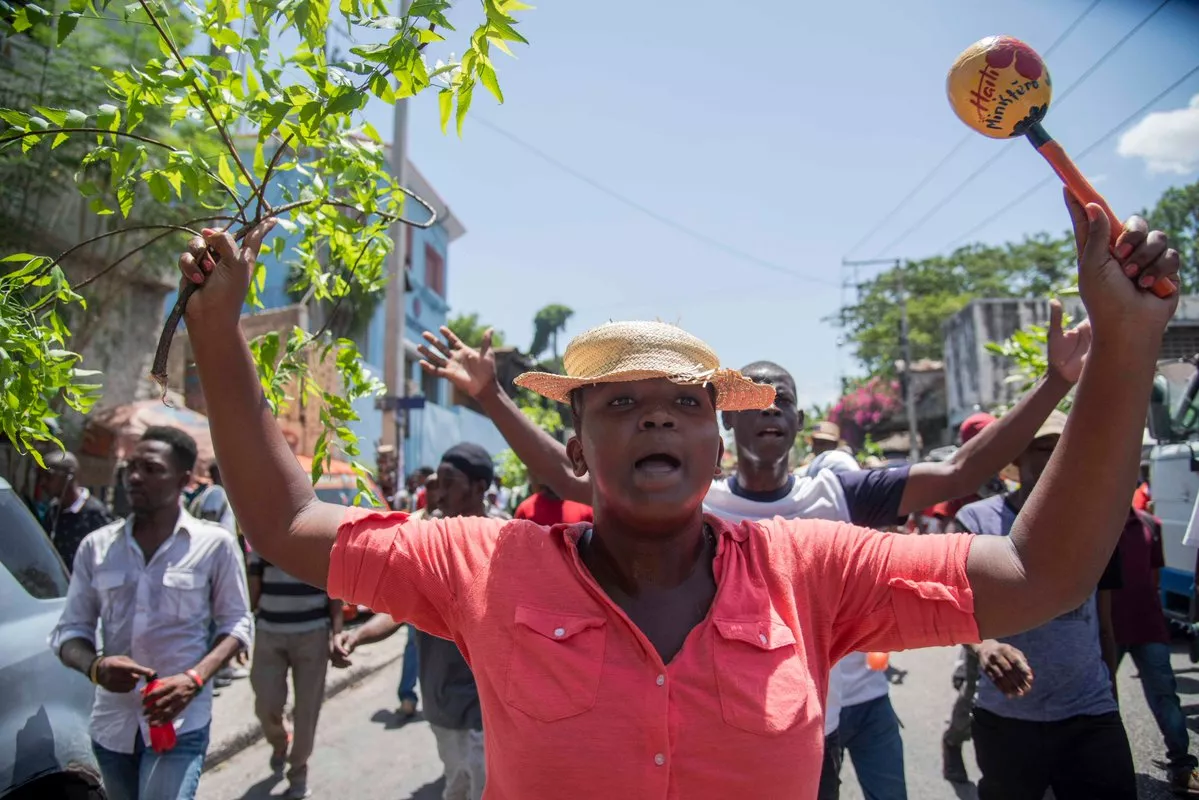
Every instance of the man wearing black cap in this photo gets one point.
(447, 686)
(73, 513)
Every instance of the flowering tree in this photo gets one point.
(301, 105)
(860, 412)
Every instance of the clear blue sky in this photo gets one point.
(785, 130)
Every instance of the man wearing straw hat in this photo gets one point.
(662, 652)
(764, 488)
(825, 443)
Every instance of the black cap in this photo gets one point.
(471, 460)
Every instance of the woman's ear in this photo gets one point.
(574, 451)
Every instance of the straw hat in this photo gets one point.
(633, 351)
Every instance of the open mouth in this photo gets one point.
(657, 463)
(770, 432)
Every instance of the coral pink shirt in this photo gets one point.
(576, 701)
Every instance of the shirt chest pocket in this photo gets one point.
(765, 686)
(556, 663)
(184, 593)
(115, 590)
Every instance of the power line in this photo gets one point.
(1081, 155)
(654, 215)
(919, 223)
(930, 174)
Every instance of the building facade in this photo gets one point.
(977, 379)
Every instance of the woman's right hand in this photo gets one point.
(224, 283)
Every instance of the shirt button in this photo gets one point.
(659, 759)
(661, 679)
(559, 633)
(762, 638)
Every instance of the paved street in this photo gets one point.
(363, 753)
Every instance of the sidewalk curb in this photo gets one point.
(231, 745)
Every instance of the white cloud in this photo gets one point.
(1168, 141)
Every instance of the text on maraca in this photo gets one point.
(991, 100)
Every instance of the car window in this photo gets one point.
(26, 551)
(342, 496)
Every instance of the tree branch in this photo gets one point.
(202, 96)
(136, 137)
(266, 177)
(349, 288)
(429, 223)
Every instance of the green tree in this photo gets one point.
(1177, 213)
(547, 324)
(470, 330)
(939, 287)
(301, 107)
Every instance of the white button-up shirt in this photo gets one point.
(159, 614)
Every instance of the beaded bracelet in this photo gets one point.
(195, 676)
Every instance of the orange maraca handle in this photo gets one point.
(1085, 193)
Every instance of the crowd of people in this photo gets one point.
(567, 647)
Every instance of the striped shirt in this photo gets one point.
(287, 604)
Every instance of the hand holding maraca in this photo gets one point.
(1119, 310)
(1001, 88)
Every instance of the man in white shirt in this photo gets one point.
(154, 584)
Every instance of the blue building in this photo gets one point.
(431, 430)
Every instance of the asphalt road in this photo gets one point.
(362, 752)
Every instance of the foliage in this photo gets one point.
(1177, 213)
(545, 415)
(468, 328)
(299, 105)
(860, 411)
(32, 333)
(547, 324)
(1026, 350)
(939, 287)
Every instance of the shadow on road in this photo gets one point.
(430, 791)
(965, 791)
(391, 720)
(262, 789)
(1152, 788)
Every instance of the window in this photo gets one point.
(434, 270)
(429, 386)
(26, 552)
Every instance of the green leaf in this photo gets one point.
(160, 189)
(464, 95)
(487, 76)
(445, 103)
(108, 117)
(125, 198)
(66, 24)
(15, 118)
(57, 116)
(225, 172)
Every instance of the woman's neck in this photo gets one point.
(633, 557)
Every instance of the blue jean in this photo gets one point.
(870, 733)
(411, 669)
(1161, 693)
(146, 775)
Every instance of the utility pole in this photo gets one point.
(395, 376)
(905, 344)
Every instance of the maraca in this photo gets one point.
(1000, 87)
(877, 661)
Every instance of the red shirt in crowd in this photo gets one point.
(1137, 616)
(576, 701)
(1141, 497)
(547, 511)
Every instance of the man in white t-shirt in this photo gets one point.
(764, 487)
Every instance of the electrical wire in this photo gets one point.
(1052, 178)
(649, 212)
(919, 223)
(930, 174)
